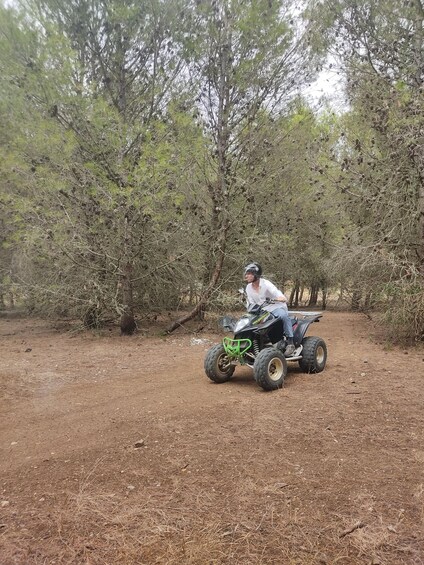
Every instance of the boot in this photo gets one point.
(290, 349)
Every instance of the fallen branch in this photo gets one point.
(355, 526)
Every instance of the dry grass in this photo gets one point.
(185, 525)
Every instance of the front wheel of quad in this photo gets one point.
(314, 355)
(217, 364)
(270, 368)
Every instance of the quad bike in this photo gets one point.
(259, 343)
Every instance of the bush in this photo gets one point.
(405, 310)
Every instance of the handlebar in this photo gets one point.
(267, 302)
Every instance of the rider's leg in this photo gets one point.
(283, 315)
(287, 324)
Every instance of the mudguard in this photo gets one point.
(301, 323)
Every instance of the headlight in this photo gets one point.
(242, 323)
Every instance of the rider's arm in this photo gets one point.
(274, 293)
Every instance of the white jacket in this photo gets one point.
(266, 290)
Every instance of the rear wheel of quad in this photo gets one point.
(314, 355)
(270, 368)
(217, 364)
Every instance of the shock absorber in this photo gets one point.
(255, 346)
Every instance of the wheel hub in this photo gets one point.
(223, 363)
(320, 355)
(275, 369)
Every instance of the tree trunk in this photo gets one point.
(324, 297)
(291, 298)
(368, 300)
(418, 153)
(294, 295)
(128, 324)
(313, 299)
(208, 291)
(356, 300)
(219, 190)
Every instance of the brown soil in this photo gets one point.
(328, 470)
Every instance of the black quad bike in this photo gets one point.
(259, 343)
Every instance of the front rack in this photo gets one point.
(236, 347)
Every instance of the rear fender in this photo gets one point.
(300, 329)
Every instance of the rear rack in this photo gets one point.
(305, 314)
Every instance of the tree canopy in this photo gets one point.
(149, 149)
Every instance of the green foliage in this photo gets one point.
(294, 203)
(91, 146)
(148, 149)
(405, 311)
(380, 151)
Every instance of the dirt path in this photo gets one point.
(328, 470)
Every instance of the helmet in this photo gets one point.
(253, 268)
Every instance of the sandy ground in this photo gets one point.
(120, 451)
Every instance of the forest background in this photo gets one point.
(149, 149)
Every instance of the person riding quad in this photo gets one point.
(258, 290)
